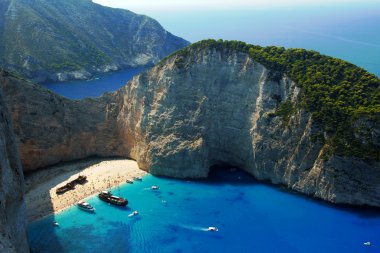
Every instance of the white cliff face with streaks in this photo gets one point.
(211, 107)
(188, 113)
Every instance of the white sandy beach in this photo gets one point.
(41, 197)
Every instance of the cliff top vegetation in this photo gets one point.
(340, 95)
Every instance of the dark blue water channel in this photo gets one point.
(96, 86)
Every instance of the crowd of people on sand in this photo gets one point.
(43, 203)
(44, 200)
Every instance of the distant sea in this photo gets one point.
(351, 33)
(94, 87)
(250, 216)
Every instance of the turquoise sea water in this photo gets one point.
(251, 217)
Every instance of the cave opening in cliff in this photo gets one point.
(227, 173)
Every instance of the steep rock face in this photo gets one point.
(12, 205)
(73, 39)
(51, 128)
(193, 111)
(213, 107)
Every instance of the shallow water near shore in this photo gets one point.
(251, 217)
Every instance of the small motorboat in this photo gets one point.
(155, 187)
(129, 181)
(215, 229)
(112, 199)
(367, 244)
(85, 206)
(137, 178)
(55, 224)
(133, 214)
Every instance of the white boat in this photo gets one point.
(129, 181)
(55, 224)
(215, 229)
(155, 187)
(85, 206)
(133, 214)
(367, 244)
(137, 178)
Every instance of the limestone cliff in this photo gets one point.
(197, 108)
(216, 107)
(52, 129)
(12, 205)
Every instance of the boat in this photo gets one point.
(85, 206)
(61, 190)
(137, 178)
(215, 229)
(65, 188)
(367, 244)
(80, 180)
(55, 224)
(155, 187)
(129, 181)
(133, 214)
(112, 199)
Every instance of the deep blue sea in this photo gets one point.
(250, 216)
(96, 86)
(350, 32)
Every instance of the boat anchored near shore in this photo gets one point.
(112, 199)
(85, 206)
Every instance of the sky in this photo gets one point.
(347, 29)
(142, 6)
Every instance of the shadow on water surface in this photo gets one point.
(367, 212)
(361, 211)
(42, 233)
(225, 173)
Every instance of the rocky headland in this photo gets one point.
(211, 103)
(59, 40)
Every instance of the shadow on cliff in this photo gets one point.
(226, 173)
(42, 233)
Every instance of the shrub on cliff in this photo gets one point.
(336, 92)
